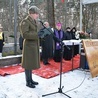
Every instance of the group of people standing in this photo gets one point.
(51, 42)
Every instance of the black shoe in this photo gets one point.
(29, 84)
(46, 63)
(34, 83)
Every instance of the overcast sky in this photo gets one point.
(89, 1)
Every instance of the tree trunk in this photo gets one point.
(50, 12)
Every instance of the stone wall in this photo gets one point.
(10, 60)
(8, 49)
(9, 39)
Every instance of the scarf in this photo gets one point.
(59, 35)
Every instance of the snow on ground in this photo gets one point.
(13, 86)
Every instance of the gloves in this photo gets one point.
(61, 43)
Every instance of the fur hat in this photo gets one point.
(34, 10)
(1, 26)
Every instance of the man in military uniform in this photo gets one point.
(31, 57)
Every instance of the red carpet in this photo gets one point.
(53, 69)
(11, 70)
(47, 71)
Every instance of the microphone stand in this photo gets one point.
(60, 86)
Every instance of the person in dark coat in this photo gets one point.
(21, 42)
(1, 40)
(73, 31)
(68, 53)
(68, 35)
(76, 47)
(46, 43)
(31, 55)
(58, 33)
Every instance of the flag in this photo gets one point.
(62, 1)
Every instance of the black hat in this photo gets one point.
(67, 28)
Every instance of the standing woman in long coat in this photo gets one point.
(31, 57)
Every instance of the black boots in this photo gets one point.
(33, 82)
(45, 62)
(29, 82)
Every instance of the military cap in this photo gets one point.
(33, 10)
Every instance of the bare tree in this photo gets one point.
(50, 12)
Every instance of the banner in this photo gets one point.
(89, 1)
(91, 51)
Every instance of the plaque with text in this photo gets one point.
(91, 51)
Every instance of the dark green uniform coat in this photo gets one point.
(30, 58)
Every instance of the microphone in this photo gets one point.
(40, 21)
